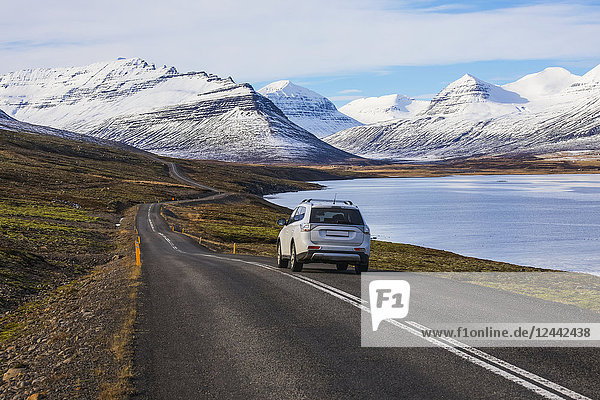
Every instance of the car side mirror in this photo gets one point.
(281, 222)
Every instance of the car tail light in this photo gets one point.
(359, 249)
(305, 227)
(314, 247)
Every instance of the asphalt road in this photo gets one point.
(224, 326)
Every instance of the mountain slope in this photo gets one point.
(4, 116)
(306, 108)
(10, 124)
(474, 98)
(548, 82)
(195, 114)
(245, 127)
(471, 117)
(371, 110)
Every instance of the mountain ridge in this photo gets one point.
(140, 104)
(471, 117)
(5, 116)
(306, 108)
(470, 95)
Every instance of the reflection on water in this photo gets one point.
(548, 221)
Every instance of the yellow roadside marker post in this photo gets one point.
(138, 260)
(234, 248)
(200, 241)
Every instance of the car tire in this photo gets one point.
(281, 262)
(359, 268)
(341, 266)
(295, 265)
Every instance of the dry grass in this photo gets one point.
(475, 166)
(247, 221)
(250, 223)
(121, 344)
(222, 224)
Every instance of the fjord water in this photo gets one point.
(547, 221)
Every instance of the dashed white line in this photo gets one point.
(168, 241)
(487, 361)
(454, 347)
(150, 219)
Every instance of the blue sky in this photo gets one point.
(470, 6)
(339, 48)
(424, 81)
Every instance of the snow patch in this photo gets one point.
(370, 110)
(548, 82)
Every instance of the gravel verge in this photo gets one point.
(76, 341)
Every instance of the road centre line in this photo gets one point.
(533, 382)
(460, 349)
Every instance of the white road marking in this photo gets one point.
(525, 373)
(169, 241)
(510, 372)
(150, 219)
(456, 347)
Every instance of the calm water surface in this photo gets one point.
(550, 221)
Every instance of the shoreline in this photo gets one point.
(547, 164)
(220, 224)
(269, 198)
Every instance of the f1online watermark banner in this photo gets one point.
(483, 309)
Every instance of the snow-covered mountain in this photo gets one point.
(471, 117)
(371, 110)
(475, 99)
(308, 109)
(548, 82)
(588, 83)
(4, 116)
(195, 114)
(8, 123)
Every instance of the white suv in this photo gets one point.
(324, 231)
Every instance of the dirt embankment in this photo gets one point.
(76, 342)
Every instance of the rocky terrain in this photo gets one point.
(74, 342)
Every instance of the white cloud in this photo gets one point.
(259, 40)
(350, 91)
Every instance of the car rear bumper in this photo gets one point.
(325, 256)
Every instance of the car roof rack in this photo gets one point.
(347, 202)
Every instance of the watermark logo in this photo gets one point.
(458, 309)
(388, 299)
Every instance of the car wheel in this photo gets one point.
(281, 262)
(358, 268)
(295, 265)
(341, 266)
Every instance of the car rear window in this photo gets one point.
(344, 216)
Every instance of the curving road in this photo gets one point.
(224, 326)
